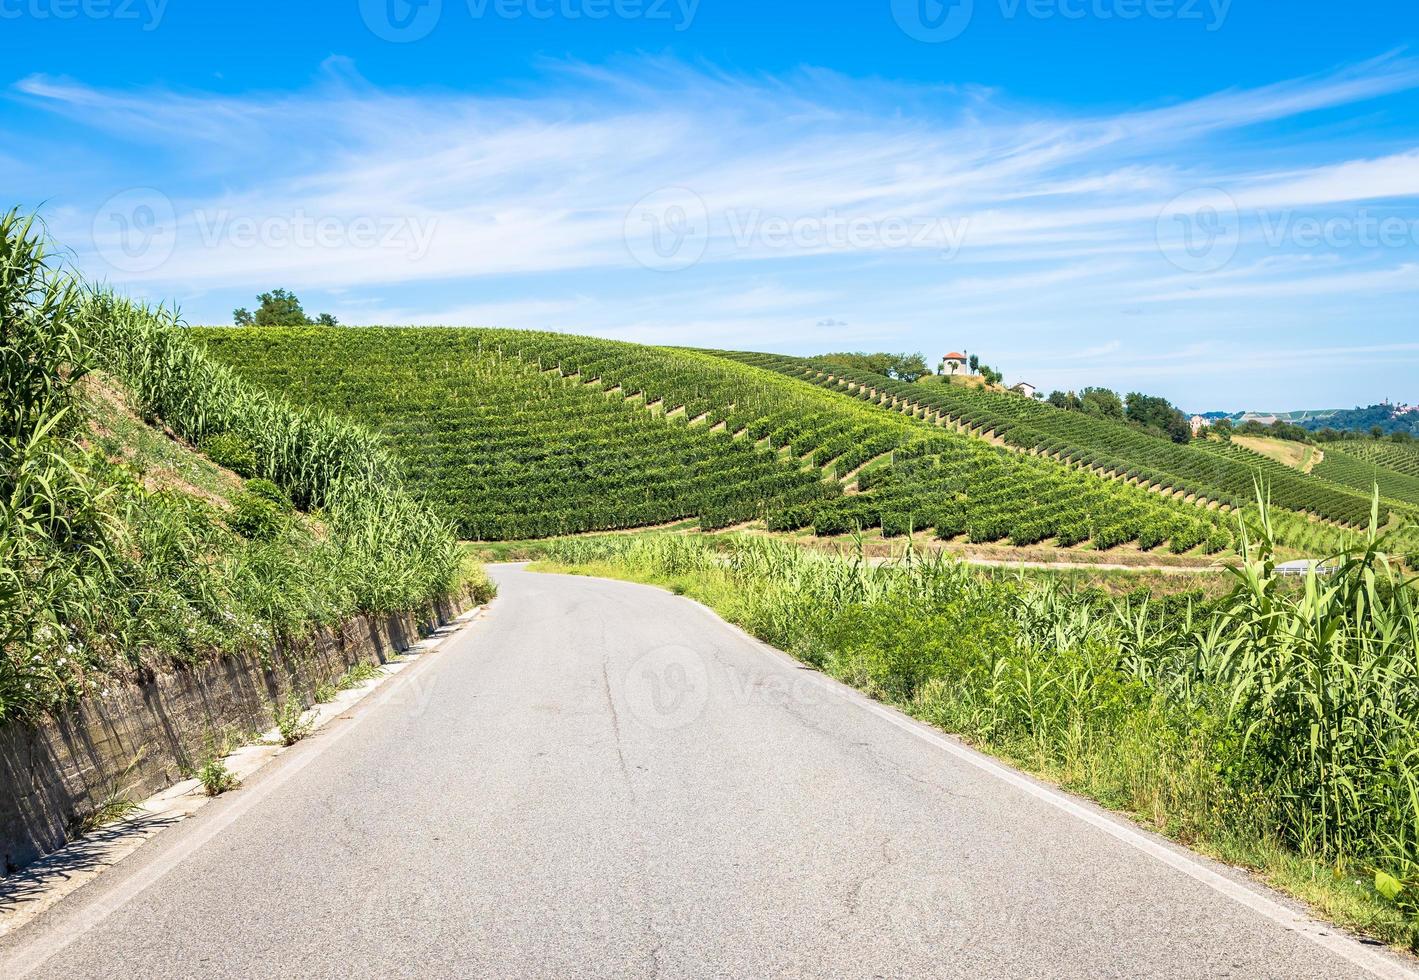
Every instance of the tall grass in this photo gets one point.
(1281, 716)
(102, 576)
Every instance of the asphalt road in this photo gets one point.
(603, 780)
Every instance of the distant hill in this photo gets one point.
(1390, 418)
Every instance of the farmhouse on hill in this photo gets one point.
(952, 363)
(1024, 388)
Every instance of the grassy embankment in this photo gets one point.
(1272, 727)
(123, 550)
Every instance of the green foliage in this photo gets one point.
(216, 778)
(1097, 402)
(1159, 415)
(1363, 468)
(272, 494)
(256, 517)
(1376, 421)
(1101, 403)
(1209, 470)
(103, 577)
(291, 721)
(280, 308)
(565, 443)
(900, 367)
(231, 451)
(509, 448)
(1276, 430)
(358, 674)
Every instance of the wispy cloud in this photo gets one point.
(807, 203)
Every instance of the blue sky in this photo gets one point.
(1215, 200)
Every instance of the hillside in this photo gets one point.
(1367, 464)
(1222, 474)
(124, 549)
(1394, 456)
(507, 447)
(1387, 418)
(522, 433)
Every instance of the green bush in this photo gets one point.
(216, 778)
(256, 517)
(232, 451)
(789, 518)
(267, 490)
(895, 525)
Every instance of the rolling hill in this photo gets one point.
(1220, 473)
(518, 434)
(515, 434)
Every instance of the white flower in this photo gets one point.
(62, 661)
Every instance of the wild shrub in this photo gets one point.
(256, 517)
(216, 778)
(291, 721)
(266, 490)
(232, 451)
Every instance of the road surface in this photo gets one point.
(603, 780)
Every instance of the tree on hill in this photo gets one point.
(1101, 402)
(1158, 414)
(280, 308)
(901, 367)
(1098, 402)
(1276, 430)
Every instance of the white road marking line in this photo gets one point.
(1372, 960)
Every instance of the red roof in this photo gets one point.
(955, 357)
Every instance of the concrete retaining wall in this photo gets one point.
(146, 736)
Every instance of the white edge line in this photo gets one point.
(28, 957)
(1379, 963)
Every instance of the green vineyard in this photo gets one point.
(1349, 467)
(508, 449)
(523, 434)
(1225, 474)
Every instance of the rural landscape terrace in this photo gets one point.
(689, 490)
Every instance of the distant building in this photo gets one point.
(1024, 388)
(1199, 423)
(952, 363)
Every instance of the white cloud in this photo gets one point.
(513, 209)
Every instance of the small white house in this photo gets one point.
(1024, 388)
(1199, 423)
(953, 363)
